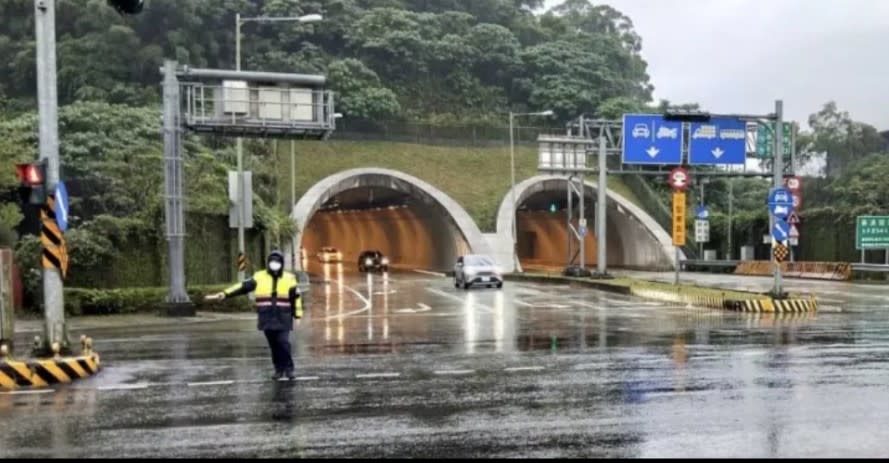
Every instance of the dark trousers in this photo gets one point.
(279, 343)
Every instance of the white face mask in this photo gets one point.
(274, 266)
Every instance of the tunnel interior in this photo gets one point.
(543, 240)
(403, 222)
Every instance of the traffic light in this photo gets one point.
(33, 182)
(127, 6)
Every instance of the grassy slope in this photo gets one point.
(477, 178)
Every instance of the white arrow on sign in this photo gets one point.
(652, 151)
(718, 152)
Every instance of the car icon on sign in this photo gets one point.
(641, 131)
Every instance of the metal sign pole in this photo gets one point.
(778, 164)
(601, 257)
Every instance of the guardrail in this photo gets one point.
(880, 268)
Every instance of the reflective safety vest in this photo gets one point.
(277, 298)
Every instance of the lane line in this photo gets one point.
(427, 272)
(123, 387)
(366, 307)
(534, 368)
(454, 372)
(29, 391)
(459, 299)
(211, 383)
(378, 375)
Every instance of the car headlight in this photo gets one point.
(498, 270)
(368, 262)
(469, 270)
(385, 261)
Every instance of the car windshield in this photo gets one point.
(480, 261)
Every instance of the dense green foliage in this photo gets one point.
(415, 59)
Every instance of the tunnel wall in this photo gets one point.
(402, 234)
(634, 239)
(454, 230)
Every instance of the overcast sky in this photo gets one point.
(738, 56)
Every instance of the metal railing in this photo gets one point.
(267, 110)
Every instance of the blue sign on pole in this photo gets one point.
(780, 202)
(701, 213)
(722, 140)
(781, 230)
(582, 231)
(61, 206)
(650, 139)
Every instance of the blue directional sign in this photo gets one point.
(701, 213)
(61, 206)
(582, 231)
(649, 139)
(781, 230)
(721, 140)
(780, 202)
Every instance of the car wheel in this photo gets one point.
(466, 285)
(456, 283)
(500, 285)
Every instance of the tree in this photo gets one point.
(841, 138)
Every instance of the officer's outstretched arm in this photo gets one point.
(235, 290)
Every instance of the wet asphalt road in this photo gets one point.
(412, 367)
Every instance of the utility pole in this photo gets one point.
(293, 252)
(240, 151)
(47, 102)
(778, 178)
(601, 257)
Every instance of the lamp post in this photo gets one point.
(515, 206)
(309, 18)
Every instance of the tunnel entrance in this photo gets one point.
(414, 225)
(542, 231)
(633, 238)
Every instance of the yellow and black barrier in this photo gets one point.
(772, 305)
(242, 262)
(55, 253)
(42, 373)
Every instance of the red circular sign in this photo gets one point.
(793, 183)
(679, 179)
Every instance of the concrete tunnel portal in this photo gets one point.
(411, 222)
(633, 238)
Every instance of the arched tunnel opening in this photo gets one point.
(402, 220)
(542, 239)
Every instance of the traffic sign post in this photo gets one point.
(679, 179)
(721, 140)
(678, 225)
(651, 139)
(871, 232)
(766, 139)
(702, 231)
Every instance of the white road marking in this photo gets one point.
(306, 378)
(534, 368)
(378, 375)
(459, 299)
(123, 387)
(454, 372)
(211, 383)
(438, 274)
(29, 391)
(354, 312)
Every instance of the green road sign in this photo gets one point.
(765, 139)
(872, 232)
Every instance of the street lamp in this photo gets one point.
(515, 207)
(309, 18)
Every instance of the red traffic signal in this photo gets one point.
(33, 174)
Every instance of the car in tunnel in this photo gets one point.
(373, 260)
(329, 254)
(477, 269)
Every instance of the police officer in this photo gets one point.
(277, 301)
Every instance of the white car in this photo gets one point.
(477, 269)
(641, 131)
(329, 254)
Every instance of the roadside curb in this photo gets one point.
(717, 299)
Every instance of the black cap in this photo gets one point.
(276, 255)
